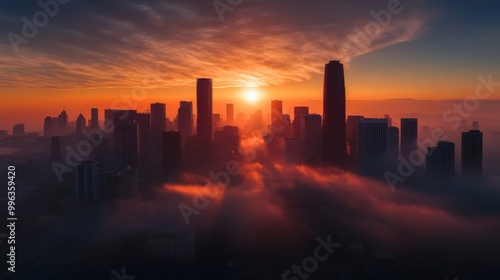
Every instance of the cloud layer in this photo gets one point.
(95, 44)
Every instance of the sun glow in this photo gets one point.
(252, 95)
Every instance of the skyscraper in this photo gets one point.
(81, 124)
(352, 139)
(409, 134)
(230, 114)
(372, 143)
(334, 126)
(204, 95)
(440, 161)
(130, 145)
(18, 129)
(392, 147)
(94, 119)
(158, 119)
(171, 151)
(292, 150)
(311, 146)
(277, 125)
(62, 123)
(472, 154)
(143, 121)
(87, 182)
(185, 121)
(47, 127)
(298, 112)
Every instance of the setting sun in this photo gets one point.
(252, 95)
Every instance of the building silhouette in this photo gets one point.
(81, 124)
(158, 121)
(130, 144)
(392, 147)
(18, 129)
(334, 113)
(143, 121)
(226, 142)
(62, 123)
(352, 139)
(185, 121)
(277, 125)
(48, 129)
(94, 118)
(171, 154)
(372, 143)
(472, 154)
(204, 97)
(230, 114)
(409, 134)
(298, 112)
(292, 150)
(440, 161)
(87, 182)
(311, 141)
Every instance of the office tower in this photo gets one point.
(257, 120)
(47, 127)
(277, 125)
(475, 125)
(204, 97)
(311, 146)
(18, 129)
(298, 112)
(372, 147)
(81, 124)
(287, 123)
(409, 134)
(440, 161)
(226, 142)
(230, 114)
(130, 145)
(216, 122)
(292, 150)
(472, 154)
(158, 121)
(62, 121)
(94, 119)
(392, 147)
(185, 121)
(87, 182)
(143, 121)
(171, 151)
(352, 139)
(55, 149)
(334, 126)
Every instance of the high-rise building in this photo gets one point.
(18, 129)
(334, 113)
(392, 147)
(204, 97)
(409, 134)
(440, 161)
(81, 124)
(143, 121)
(230, 114)
(311, 141)
(298, 112)
(158, 121)
(287, 124)
(226, 142)
(94, 118)
(472, 154)
(171, 151)
(130, 145)
(87, 182)
(62, 121)
(277, 125)
(372, 147)
(185, 121)
(48, 128)
(292, 150)
(352, 139)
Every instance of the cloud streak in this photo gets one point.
(92, 44)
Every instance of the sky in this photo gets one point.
(93, 52)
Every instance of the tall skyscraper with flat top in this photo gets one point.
(298, 112)
(94, 120)
(472, 154)
(440, 161)
(158, 118)
(372, 143)
(185, 121)
(204, 117)
(230, 113)
(409, 134)
(334, 127)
